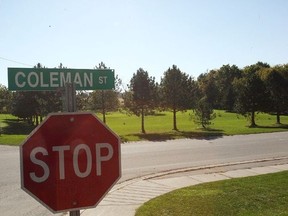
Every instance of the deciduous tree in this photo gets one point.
(5, 99)
(277, 86)
(224, 78)
(35, 104)
(252, 95)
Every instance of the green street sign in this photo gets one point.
(44, 79)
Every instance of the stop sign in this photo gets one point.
(70, 161)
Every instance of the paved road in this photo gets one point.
(143, 158)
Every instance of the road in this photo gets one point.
(144, 158)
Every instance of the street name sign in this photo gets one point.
(45, 79)
(70, 161)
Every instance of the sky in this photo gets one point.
(126, 35)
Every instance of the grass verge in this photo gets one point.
(258, 195)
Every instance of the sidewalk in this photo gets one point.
(125, 198)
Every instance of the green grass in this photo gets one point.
(232, 123)
(158, 127)
(13, 131)
(260, 195)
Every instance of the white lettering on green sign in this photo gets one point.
(55, 80)
(42, 79)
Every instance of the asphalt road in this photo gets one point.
(144, 158)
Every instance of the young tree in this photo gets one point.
(176, 91)
(207, 94)
(203, 112)
(142, 95)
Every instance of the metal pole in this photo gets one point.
(69, 98)
(69, 103)
(74, 213)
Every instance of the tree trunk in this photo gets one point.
(203, 120)
(174, 119)
(37, 120)
(253, 123)
(278, 118)
(30, 120)
(142, 121)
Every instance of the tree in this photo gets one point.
(207, 94)
(224, 78)
(82, 100)
(203, 112)
(277, 86)
(24, 105)
(5, 99)
(207, 87)
(31, 104)
(252, 95)
(141, 99)
(35, 104)
(176, 91)
(108, 99)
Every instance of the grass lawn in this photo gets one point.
(232, 123)
(13, 131)
(259, 195)
(158, 127)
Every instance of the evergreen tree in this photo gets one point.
(108, 99)
(207, 94)
(176, 91)
(141, 99)
(203, 112)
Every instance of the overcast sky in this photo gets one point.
(153, 34)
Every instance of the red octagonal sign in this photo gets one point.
(70, 161)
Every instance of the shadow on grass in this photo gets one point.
(207, 134)
(275, 126)
(17, 127)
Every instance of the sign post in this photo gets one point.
(69, 100)
(71, 160)
(70, 106)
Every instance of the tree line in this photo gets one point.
(254, 88)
